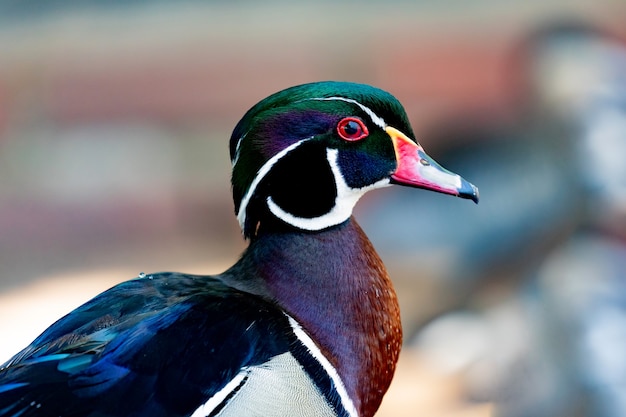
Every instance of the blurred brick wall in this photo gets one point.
(114, 121)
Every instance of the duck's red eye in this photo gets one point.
(352, 129)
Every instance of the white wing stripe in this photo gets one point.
(328, 367)
(207, 408)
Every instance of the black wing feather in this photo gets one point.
(157, 346)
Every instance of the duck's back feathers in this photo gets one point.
(173, 345)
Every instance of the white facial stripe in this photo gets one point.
(207, 408)
(346, 401)
(236, 157)
(344, 203)
(241, 215)
(377, 120)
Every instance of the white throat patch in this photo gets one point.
(344, 202)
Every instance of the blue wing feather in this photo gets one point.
(153, 347)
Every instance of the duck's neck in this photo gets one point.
(335, 285)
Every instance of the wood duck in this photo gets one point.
(306, 323)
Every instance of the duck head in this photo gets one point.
(305, 155)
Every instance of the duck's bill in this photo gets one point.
(416, 169)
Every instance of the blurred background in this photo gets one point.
(114, 124)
